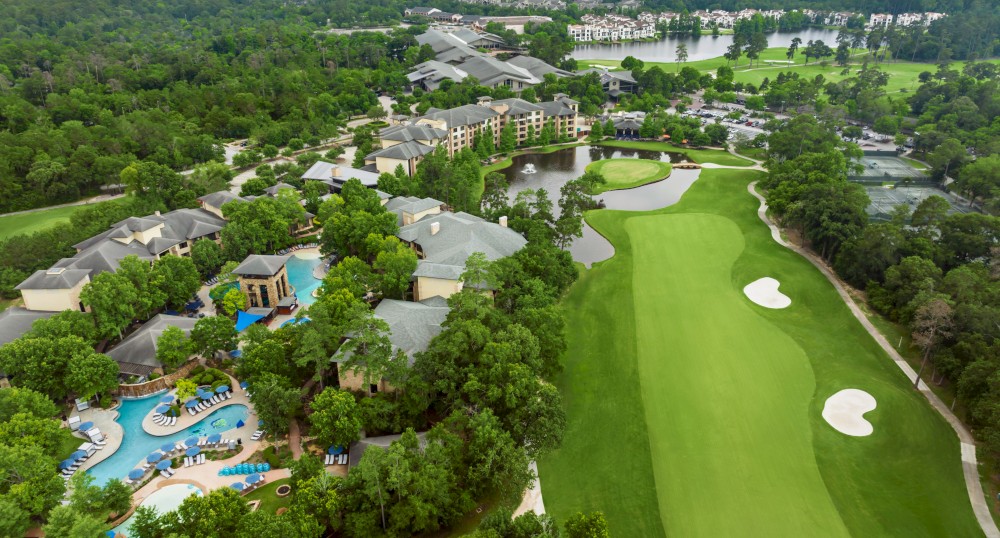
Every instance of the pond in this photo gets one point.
(550, 171)
(699, 48)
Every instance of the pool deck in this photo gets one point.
(113, 434)
(186, 420)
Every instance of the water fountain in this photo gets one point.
(528, 169)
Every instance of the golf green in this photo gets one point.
(691, 411)
(628, 173)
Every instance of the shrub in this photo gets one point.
(272, 459)
(106, 401)
(153, 376)
(197, 370)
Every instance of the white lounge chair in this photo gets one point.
(190, 411)
(187, 461)
(179, 446)
(201, 459)
(173, 420)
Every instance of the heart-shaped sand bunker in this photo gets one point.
(765, 292)
(845, 412)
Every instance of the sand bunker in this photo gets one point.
(765, 293)
(845, 409)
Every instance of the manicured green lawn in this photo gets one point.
(32, 222)
(693, 412)
(269, 501)
(68, 443)
(902, 75)
(628, 173)
(697, 155)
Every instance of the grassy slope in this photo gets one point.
(32, 222)
(732, 393)
(903, 75)
(269, 500)
(628, 173)
(697, 155)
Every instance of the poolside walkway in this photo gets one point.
(967, 443)
(239, 396)
(104, 419)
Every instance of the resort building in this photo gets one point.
(412, 325)
(611, 27)
(149, 238)
(136, 354)
(335, 175)
(614, 83)
(410, 209)
(880, 20)
(14, 322)
(457, 128)
(457, 57)
(444, 241)
(264, 280)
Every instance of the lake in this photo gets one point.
(553, 170)
(699, 48)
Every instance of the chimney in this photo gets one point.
(335, 171)
(503, 221)
(157, 213)
(435, 228)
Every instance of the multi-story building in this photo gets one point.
(880, 20)
(458, 128)
(612, 27)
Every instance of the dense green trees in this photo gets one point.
(58, 367)
(334, 418)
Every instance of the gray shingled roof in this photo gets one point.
(53, 279)
(463, 115)
(459, 236)
(518, 106)
(136, 355)
(14, 322)
(336, 175)
(411, 205)
(261, 264)
(407, 133)
(556, 108)
(220, 198)
(489, 71)
(274, 189)
(537, 67)
(403, 152)
(411, 325)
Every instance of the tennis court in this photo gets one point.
(890, 168)
(884, 199)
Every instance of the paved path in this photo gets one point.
(970, 467)
(295, 439)
(532, 501)
(88, 201)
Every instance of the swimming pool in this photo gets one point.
(137, 444)
(300, 276)
(165, 499)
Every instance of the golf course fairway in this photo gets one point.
(692, 411)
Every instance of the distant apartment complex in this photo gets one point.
(611, 28)
(457, 128)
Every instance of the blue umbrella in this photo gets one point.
(222, 388)
(162, 408)
(78, 454)
(335, 450)
(193, 451)
(154, 457)
(167, 398)
(253, 479)
(164, 465)
(243, 385)
(135, 474)
(168, 447)
(214, 438)
(238, 486)
(111, 534)
(236, 353)
(191, 441)
(239, 423)
(86, 426)
(192, 403)
(260, 422)
(66, 464)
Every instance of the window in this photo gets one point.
(373, 388)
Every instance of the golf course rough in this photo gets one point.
(693, 412)
(628, 173)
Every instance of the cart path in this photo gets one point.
(970, 467)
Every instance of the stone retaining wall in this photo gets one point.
(157, 385)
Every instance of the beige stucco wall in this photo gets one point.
(426, 287)
(350, 380)
(217, 211)
(54, 300)
(410, 218)
(387, 165)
